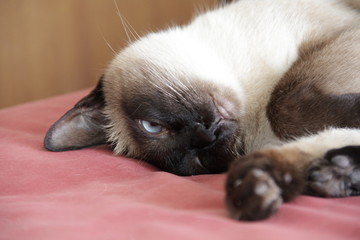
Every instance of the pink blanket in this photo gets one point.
(91, 194)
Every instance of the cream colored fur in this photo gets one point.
(245, 47)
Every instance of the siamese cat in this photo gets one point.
(268, 90)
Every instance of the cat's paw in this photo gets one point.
(337, 174)
(255, 186)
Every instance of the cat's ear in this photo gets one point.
(80, 127)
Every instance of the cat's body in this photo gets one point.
(271, 85)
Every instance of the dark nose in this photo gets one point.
(202, 136)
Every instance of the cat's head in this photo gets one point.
(167, 100)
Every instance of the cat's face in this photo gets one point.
(162, 110)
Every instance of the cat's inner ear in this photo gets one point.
(80, 127)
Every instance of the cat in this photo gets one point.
(268, 90)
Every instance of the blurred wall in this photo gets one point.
(50, 47)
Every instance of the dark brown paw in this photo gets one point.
(256, 185)
(337, 174)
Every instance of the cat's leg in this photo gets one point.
(260, 182)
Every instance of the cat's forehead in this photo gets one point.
(174, 54)
(166, 65)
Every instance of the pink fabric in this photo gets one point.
(91, 194)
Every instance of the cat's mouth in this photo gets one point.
(213, 155)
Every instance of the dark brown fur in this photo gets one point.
(242, 202)
(320, 90)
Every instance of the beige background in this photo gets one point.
(51, 47)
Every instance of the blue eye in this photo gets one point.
(151, 127)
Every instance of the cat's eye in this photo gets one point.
(152, 127)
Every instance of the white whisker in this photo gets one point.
(129, 28)
(122, 22)
(163, 91)
(170, 84)
(132, 30)
(185, 89)
(108, 44)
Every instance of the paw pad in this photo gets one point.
(337, 175)
(341, 161)
(288, 178)
(261, 188)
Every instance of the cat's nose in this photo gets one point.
(202, 136)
